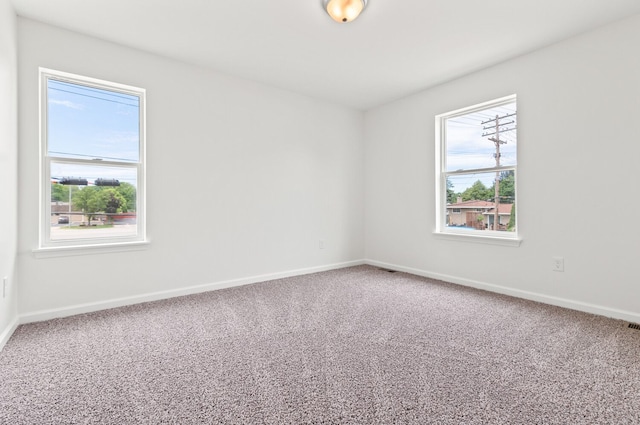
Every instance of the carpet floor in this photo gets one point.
(352, 346)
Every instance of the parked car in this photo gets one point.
(63, 219)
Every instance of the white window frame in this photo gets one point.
(48, 247)
(441, 230)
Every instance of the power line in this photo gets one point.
(94, 97)
(93, 156)
(105, 92)
(499, 126)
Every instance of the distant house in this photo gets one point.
(477, 214)
(61, 209)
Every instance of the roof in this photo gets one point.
(471, 204)
(502, 208)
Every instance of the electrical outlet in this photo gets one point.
(558, 264)
(321, 244)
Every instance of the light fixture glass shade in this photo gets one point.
(344, 10)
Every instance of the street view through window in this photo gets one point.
(479, 168)
(93, 162)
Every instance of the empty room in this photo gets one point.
(319, 212)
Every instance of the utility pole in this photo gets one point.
(498, 127)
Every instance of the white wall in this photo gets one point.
(579, 150)
(243, 179)
(264, 174)
(8, 169)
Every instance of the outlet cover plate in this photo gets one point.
(558, 264)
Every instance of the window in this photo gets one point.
(476, 170)
(92, 164)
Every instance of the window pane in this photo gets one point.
(92, 201)
(482, 139)
(87, 122)
(471, 201)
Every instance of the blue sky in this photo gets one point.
(94, 124)
(468, 149)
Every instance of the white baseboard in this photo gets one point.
(533, 296)
(161, 295)
(7, 332)
(155, 296)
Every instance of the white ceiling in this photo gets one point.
(395, 48)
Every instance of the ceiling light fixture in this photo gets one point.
(344, 10)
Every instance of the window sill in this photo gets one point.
(488, 240)
(66, 251)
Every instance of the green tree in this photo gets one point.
(507, 187)
(59, 193)
(89, 201)
(113, 200)
(511, 226)
(451, 195)
(128, 191)
(478, 191)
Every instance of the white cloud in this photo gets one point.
(66, 103)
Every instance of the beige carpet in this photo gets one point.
(352, 346)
